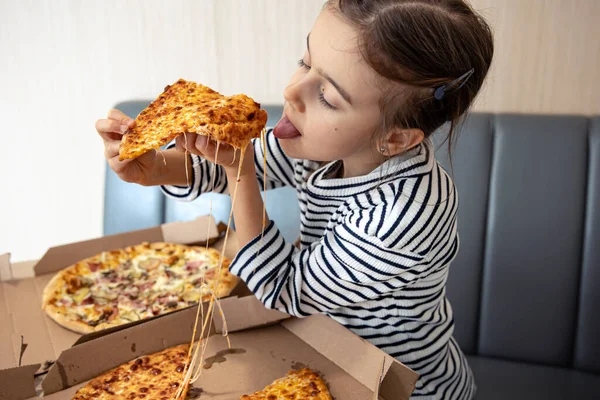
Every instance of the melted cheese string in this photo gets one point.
(263, 142)
(163, 156)
(209, 314)
(212, 187)
(194, 366)
(199, 367)
(187, 174)
(190, 367)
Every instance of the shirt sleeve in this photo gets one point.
(348, 265)
(207, 177)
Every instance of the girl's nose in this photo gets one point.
(293, 95)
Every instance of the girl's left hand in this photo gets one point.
(227, 156)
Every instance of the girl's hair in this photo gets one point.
(422, 45)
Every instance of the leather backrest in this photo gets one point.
(587, 350)
(526, 282)
(471, 162)
(534, 238)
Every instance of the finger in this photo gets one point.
(111, 137)
(182, 143)
(187, 143)
(110, 129)
(111, 149)
(209, 149)
(179, 144)
(202, 143)
(125, 121)
(220, 153)
(117, 115)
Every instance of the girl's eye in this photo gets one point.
(322, 100)
(302, 64)
(325, 102)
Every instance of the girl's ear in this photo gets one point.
(399, 141)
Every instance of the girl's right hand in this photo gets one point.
(111, 131)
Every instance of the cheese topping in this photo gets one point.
(130, 284)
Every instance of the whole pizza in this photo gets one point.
(125, 285)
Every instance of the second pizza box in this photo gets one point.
(265, 345)
(28, 338)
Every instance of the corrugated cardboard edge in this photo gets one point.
(71, 368)
(104, 332)
(18, 383)
(5, 268)
(189, 232)
(239, 307)
(245, 313)
(398, 380)
(201, 230)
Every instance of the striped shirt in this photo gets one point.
(374, 256)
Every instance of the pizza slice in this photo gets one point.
(190, 107)
(156, 376)
(302, 384)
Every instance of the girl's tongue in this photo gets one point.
(285, 130)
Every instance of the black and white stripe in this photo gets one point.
(374, 256)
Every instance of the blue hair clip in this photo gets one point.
(440, 91)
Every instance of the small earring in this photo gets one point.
(382, 150)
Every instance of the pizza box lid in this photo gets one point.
(22, 284)
(198, 231)
(18, 382)
(268, 343)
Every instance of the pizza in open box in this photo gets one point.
(301, 384)
(124, 285)
(156, 376)
(160, 375)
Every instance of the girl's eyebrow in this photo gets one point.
(342, 92)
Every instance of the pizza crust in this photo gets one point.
(52, 287)
(65, 322)
(55, 288)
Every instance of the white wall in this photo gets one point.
(63, 64)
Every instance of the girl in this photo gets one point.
(378, 212)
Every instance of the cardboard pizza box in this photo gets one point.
(28, 337)
(272, 342)
(266, 344)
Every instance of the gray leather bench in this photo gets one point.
(525, 287)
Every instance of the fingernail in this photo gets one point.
(123, 128)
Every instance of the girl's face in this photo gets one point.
(332, 101)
